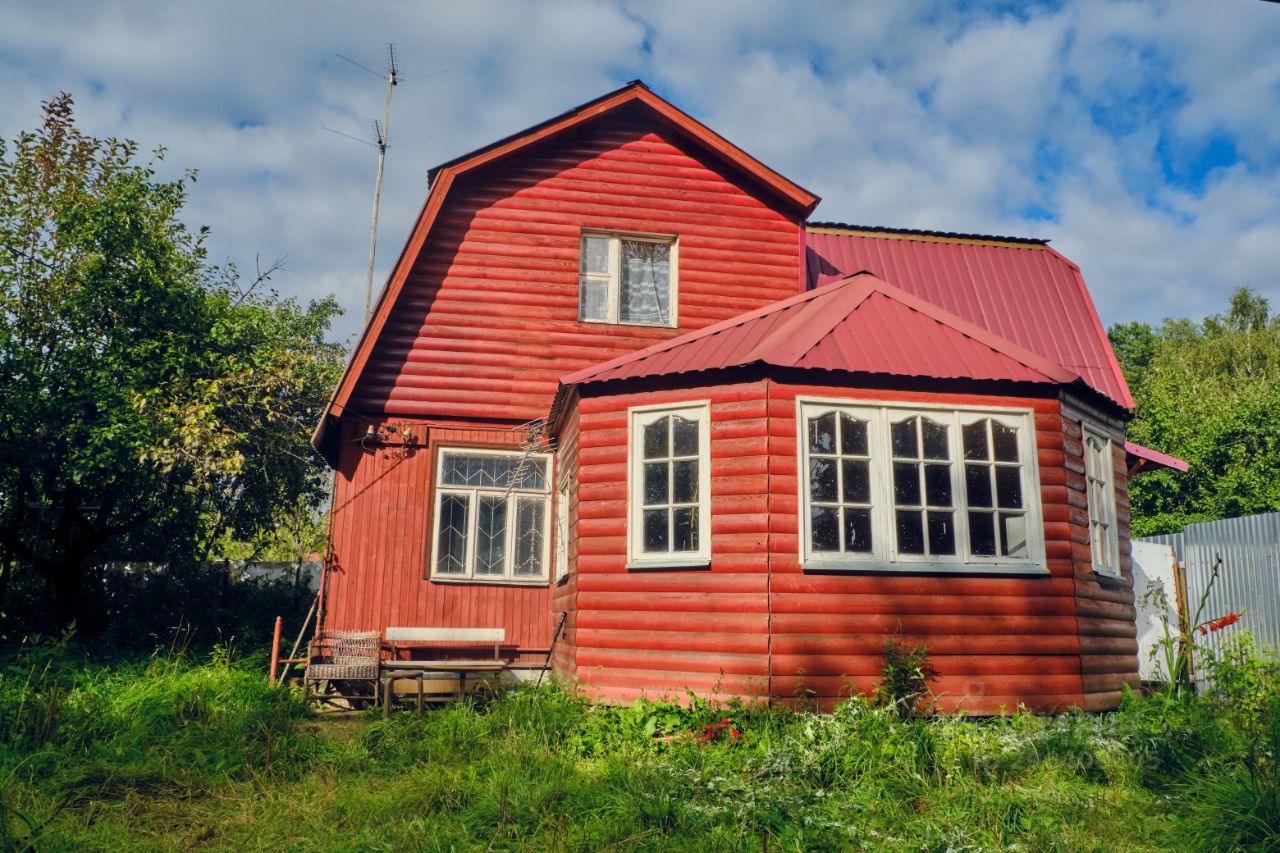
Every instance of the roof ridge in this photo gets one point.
(585, 373)
(926, 234)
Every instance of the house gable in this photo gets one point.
(498, 239)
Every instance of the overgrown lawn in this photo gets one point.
(170, 754)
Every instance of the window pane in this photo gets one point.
(910, 532)
(978, 484)
(942, 533)
(595, 254)
(655, 530)
(937, 485)
(451, 532)
(822, 434)
(853, 436)
(822, 479)
(593, 299)
(491, 535)
(656, 487)
(975, 441)
(684, 440)
(1005, 440)
(485, 471)
(857, 481)
(935, 440)
(1009, 487)
(905, 443)
(685, 521)
(655, 439)
(1013, 535)
(530, 521)
(826, 528)
(644, 293)
(982, 534)
(857, 530)
(685, 482)
(906, 483)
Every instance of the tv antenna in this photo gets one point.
(381, 135)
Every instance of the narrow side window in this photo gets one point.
(1101, 491)
(669, 485)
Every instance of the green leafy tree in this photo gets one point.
(150, 405)
(1209, 393)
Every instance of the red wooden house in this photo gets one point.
(762, 445)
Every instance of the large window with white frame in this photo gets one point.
(911, 488)
(627, 278)
(1099, 469)
(669, 486)
(492, 516)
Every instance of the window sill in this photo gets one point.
(627, 323)
(871, 567)
(672, 564)
(1107, 575)
(488, 582)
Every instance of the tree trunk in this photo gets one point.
(67, 577)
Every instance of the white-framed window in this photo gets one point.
(918, 487)
(669, 486)
(627, 278)
(492, 516)
(1100, 482)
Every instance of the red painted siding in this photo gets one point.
(755, 624)
(381, 533)
(660, 632)
(995, 641)
(564, 595)
(487, 320)
(1104, 606)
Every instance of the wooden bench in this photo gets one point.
(402, 639)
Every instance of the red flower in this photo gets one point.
(1223, 621)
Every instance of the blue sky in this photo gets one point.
(1141, 136)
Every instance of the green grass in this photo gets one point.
(170, 754)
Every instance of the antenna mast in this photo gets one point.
(380, 134)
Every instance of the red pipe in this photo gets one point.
(275, 652)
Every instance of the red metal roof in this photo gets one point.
(859, 324)
(1021, 290)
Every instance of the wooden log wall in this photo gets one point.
(659, 632)
(1105, 606)
(564, 595)
(756, 624)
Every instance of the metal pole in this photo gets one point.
(377, 185)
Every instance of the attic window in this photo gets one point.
(889, 487)
(627, 279)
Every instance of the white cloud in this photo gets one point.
(907, 113)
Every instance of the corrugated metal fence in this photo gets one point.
(1249, 579)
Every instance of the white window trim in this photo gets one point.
(884, 556)
(613, 279)
(637, 418)
(1107, 477)
(473, 493)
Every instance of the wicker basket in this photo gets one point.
(344, 655)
